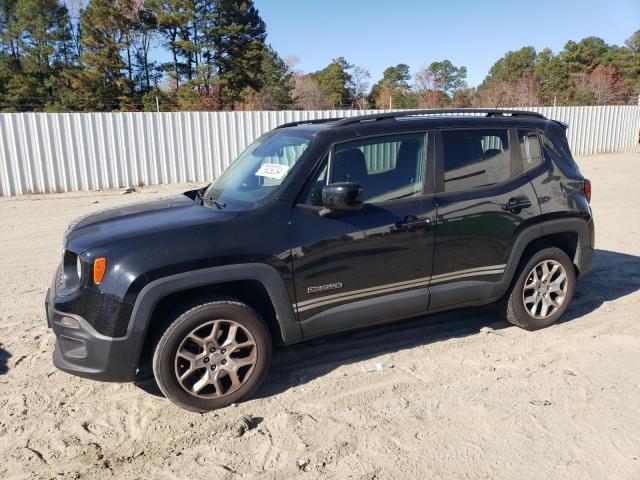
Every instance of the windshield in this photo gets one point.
(259, 170)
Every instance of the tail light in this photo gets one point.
(587, 190)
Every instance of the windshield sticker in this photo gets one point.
(272, 170)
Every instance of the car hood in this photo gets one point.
(138, 219)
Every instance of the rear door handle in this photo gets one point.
(516, 204)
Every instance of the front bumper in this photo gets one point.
(85, 352)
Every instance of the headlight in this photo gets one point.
(79, 267)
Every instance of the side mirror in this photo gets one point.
(343, 196)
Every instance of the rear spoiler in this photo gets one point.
(564, 125)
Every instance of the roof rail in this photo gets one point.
(309, 122)
(490, 112)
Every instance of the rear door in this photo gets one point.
(484, 200)
(371, 265)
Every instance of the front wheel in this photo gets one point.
(213, 355)
(542, 292)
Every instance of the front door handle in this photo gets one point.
(515, 205)
(411, 221)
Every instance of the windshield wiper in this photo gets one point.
(201, 200)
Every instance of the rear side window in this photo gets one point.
(475, 158)
(529, 148)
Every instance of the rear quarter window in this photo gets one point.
(530, 149)
(557, 146)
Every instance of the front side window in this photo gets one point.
(387, 167)
(259, 170)
(475, 158)
(529, 148)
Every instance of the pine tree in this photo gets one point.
(173, 20)
(206, 71)
(277, 84)
(9, 54)
(146, 71)
(392, 91)
(335, 82)
(101, 84)
(553, 77)
(36, 45)
(188, 38)
(238, 40)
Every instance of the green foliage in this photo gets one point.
(633, 42)
(157, 98)
(172, 18)
(238, 40)
(448, 77)
(553, 77)
(277, 84)
(219, 60)
(147, 74)
(393, 90)
(441, 85)
(101, 84)
(513, 65)
(335, 82)
(584, 55)
(586, 72)
(399, 76)
(36, 52)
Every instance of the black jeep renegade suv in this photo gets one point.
(318, 227)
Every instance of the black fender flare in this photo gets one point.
(268, 276)
(582, 258)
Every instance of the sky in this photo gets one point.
(376, 34)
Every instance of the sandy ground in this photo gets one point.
(466, 397)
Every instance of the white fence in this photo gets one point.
(61, 152)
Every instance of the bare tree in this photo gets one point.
(360, 80)
(307, 94)
(143, 38)
(522, 93)
(492, 95)
(603, 86)
(291, 61)
(426, 85)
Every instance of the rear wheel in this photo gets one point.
(213, 355)
(542, 292)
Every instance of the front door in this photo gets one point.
(372, 265)
(484, 199)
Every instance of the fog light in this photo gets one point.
(69, 322)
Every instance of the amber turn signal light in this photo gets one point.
(99, 267)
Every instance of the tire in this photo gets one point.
(202, 363)
(524, 303)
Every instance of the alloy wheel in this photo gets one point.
(215, 359)
(545, 289)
